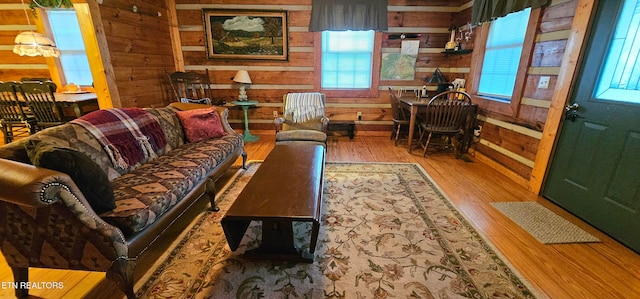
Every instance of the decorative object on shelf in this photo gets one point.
(246, 34)
(451, 44)
(440, 79)
(31, 43)
(243, 78)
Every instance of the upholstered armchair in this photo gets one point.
(303, 118)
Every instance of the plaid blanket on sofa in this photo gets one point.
(128, 135)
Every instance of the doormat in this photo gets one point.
(543, 224)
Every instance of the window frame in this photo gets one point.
(512, 107)
(55, 63)
(372, 91)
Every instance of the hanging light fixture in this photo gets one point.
(31, 43)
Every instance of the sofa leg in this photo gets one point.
(244, 160)
(121, 272)
(21, 275)
(211, 192)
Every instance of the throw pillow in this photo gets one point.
(200, 124)
(86, 174)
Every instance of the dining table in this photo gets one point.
(419, 104)
(77, 100)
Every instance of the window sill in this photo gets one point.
(494, 99)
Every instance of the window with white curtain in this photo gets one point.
(347, 58)
(73, 57)
(502, 55)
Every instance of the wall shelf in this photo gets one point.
(459, 52)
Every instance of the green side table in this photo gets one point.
(245, 107)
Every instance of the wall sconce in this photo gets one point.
(243, 78)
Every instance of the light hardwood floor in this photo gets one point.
(592, 270)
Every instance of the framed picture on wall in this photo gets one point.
(246, 34)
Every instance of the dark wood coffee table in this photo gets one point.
(286, 188)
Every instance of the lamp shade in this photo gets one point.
(31, 43)
(242, 77)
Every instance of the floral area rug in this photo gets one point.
(386, 232)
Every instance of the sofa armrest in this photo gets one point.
(22, 184)
(35, 187)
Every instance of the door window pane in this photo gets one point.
(620, 77)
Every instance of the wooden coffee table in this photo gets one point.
(286, 188)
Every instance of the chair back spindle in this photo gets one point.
(14, 121)
(42, 103)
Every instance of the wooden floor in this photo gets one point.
(593, 270)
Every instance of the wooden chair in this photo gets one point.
(192, 87)
(446, 115)
(400, 117)
(42, 103)
(14, 122)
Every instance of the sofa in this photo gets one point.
(66, 204)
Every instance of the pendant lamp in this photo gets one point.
(31, 43)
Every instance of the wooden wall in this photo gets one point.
(510, 143)
(273, 79)
(139, 47)
(12, 22)
(139, 50)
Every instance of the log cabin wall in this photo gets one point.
(510, 143)
(139, 46)
(507, 143)
(12, 22)
(136, 48)
(272, 79)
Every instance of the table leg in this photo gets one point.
(412, 125)
(277, 243)
(247, 135)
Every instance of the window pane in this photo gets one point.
(347, 59)
(502, 55)
(620, 78)
(73, 58)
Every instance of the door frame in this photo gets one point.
(573, 54)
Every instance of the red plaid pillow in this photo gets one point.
(200, 124)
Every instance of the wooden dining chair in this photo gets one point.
(445, 117)
(192, 87)
(40, 99)
(14, 122)
(400, 117)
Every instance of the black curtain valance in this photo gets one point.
(488, 10)
(344, 15)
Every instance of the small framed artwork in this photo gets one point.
(246, 34)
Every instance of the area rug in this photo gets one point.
(543, 224)
(387, 231)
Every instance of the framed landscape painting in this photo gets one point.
(246, 34)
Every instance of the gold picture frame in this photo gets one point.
(246, 34)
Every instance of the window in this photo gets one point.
(620, 77)
(73, 57)
(502, 56)
(347, 59)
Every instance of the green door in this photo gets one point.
(595, 172)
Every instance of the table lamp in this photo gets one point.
(243, 78)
